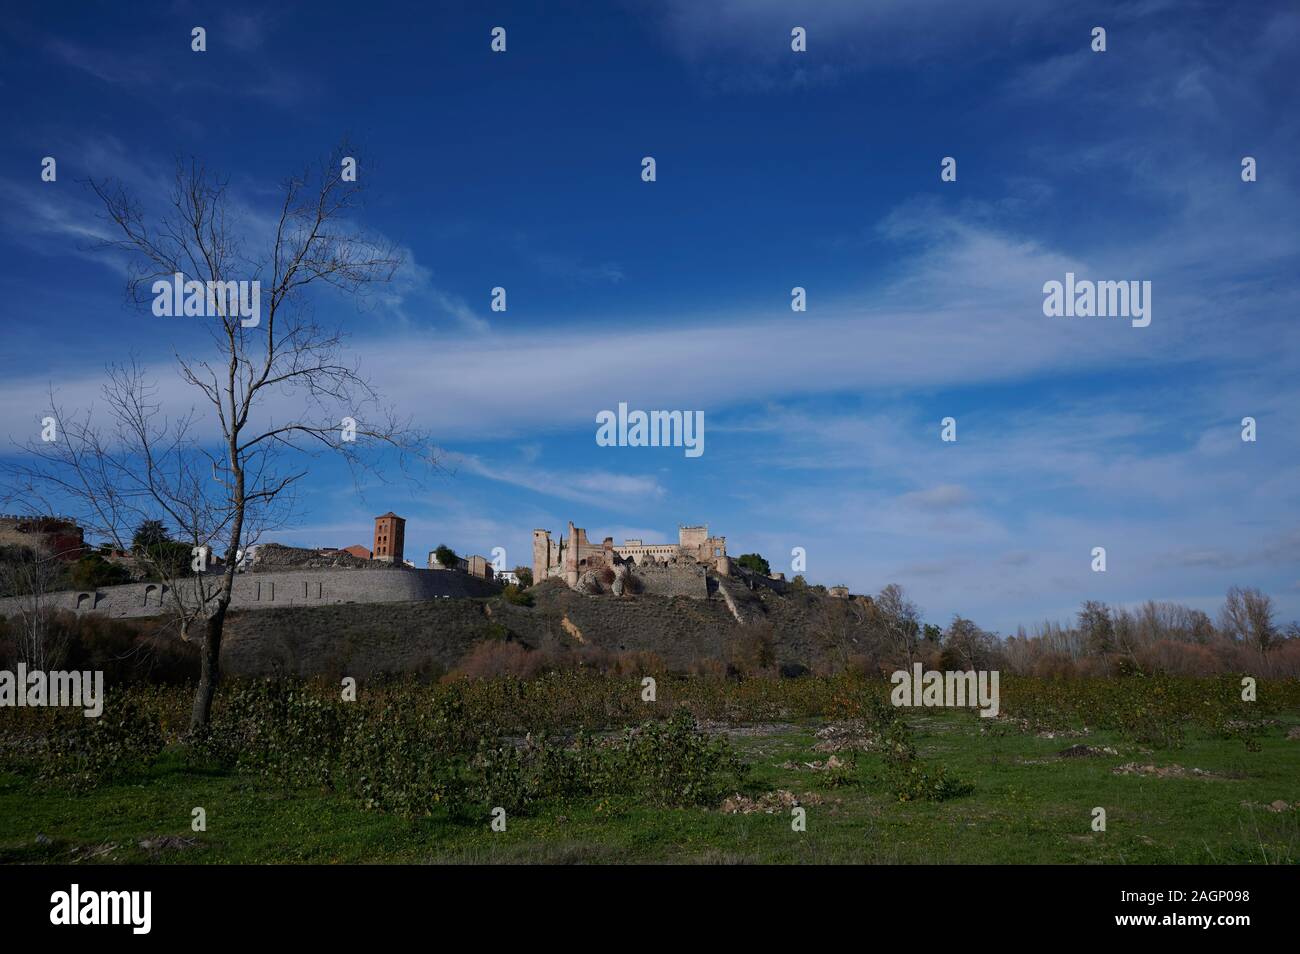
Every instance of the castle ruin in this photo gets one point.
(573, 555)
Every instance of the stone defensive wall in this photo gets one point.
(678, 579)
(271, 590)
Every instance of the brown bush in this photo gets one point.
(1284, 662)
(628, 663)
(1177, 659)
(707, 666)
(492, 659)
(752, 653)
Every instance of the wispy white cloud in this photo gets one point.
(744, 45)
(586, 485)
(940, 498)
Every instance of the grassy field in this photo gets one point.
(1029, 804)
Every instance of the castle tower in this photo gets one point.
(390, 538)
(541, 555)
(571, 558)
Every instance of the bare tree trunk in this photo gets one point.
(210, 663)
(210, 669)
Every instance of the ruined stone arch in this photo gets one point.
(153, 594)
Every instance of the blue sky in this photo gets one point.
(775, 169)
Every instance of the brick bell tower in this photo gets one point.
(390, 538)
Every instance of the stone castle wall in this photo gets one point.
(574, 554)
(266, 590)
(681, 579)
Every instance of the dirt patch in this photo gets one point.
(769, 803)
(756, 730)
(832, 763)
(1278, 806)
(845, 736)
(157, 845)
(1162, 771)
(572, 629)
(1081, 751)
(1019, 724)
(103, 852)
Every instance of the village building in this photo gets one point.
(57, 536)
(390, 538)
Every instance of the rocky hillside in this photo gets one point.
(435, 636)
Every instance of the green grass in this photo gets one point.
(1018, 813)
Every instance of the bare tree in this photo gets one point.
(840, 630)
(28, 575)
(142, 466)
(897, 622)
(1097, 627)
(275, 391)
(1247, 617)
(968, 646)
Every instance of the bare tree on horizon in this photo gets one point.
(224, 477)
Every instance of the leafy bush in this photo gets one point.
(666, 763)
(83, 752)
(400, 753)
(93, 571)
(469, 744)
(278, 729)
(407, 761)
(513, 594)
(909, 778)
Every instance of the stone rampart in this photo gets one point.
(267, 590)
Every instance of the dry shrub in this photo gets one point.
(1284, 662)
(1177, 659)
(707, 666)
(752, 653)
(1099, 666)
(824, 666)
(863, 665)
(1051, 665)
(1193, 659)
(638, 663)
(8, 646)
(935, 659)
(595, 659)
(492, 659)
(126, 651)
(868, 664)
